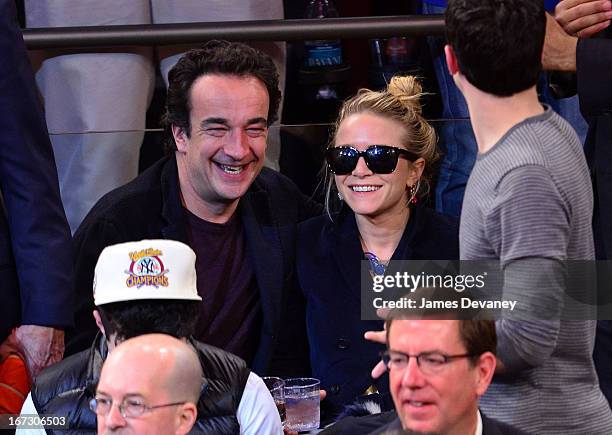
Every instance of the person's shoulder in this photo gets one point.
(139, 189)
(221, 360)
(526, 143)
(495, 427)
(286, 200)
(365, 424)
(316, 224)
(68, 375)
(539, 140)
(255, 386)
(393, 427)
(438, 231)
(318, 233)
(272, 180)
(557, 131)
(141, 196)
(436, 219)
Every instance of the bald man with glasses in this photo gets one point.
(149, 385)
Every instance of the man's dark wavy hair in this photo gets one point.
(215, 57)
(498, 43)
(133, 318)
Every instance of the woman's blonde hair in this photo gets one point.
(399, 102)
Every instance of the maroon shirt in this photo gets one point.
(230, 317)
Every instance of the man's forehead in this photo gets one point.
(424, 332)
(134, 371)
(122, 385)
(227, 85)
(235, 99)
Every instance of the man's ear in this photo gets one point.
(99, 323)
(186, 418)
(486, 369)
(180, 138)
(451, 60)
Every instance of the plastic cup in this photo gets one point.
(302, 404)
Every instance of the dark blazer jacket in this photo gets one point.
(35, 248)
(593, 57)
(593, 61)
(489, 427)
(329, 260)
(363, 424)
(150, 207)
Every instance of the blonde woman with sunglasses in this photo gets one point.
(379, 166)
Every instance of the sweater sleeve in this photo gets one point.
(527, 336)
(530, 225)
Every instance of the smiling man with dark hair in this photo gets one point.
(213, 194)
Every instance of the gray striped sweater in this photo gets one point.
(529, 203)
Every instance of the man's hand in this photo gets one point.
(583, 18)
(559, 52)
(378, 337)
(41, 345)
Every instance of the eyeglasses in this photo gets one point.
(429, 362)
(381, 159)
(129, 408)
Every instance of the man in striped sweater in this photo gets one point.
(528, 203)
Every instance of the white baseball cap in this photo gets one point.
(148, 269)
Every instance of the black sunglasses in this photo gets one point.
(381, 159)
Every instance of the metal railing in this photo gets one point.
(269, 30)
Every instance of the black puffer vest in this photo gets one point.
(66, 388)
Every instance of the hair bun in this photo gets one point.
(408, 90)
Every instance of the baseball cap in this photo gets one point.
(147, 269)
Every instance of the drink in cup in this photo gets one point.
(302, 404)
(276, 386)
